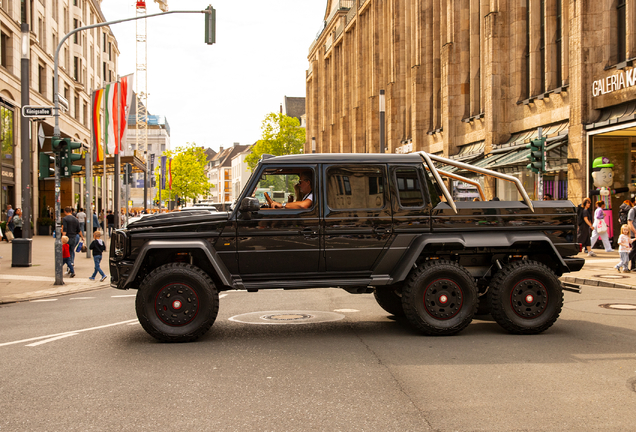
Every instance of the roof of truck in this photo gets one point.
(344, 158)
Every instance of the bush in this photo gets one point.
(45, 221)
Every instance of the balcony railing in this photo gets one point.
(341, 5)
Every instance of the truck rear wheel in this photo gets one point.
(527, 297)
(389, 300)
(177, 302)
(440, 298)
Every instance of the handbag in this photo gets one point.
(79, 247)
(601, 227)
(9, 235)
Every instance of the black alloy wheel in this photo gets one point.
(440, 298)
(177, 302)
(527, 297)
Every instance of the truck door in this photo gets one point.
(357, 217)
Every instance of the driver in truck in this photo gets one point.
(306, 191)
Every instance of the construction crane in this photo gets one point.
(141, 87)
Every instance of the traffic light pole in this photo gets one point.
(56, 112)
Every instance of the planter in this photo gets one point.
(44, 230)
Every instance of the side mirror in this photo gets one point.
(250, 204)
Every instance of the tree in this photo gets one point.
(282, 135)
(188, 173)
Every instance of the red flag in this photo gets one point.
(170, 174)
(98, 149)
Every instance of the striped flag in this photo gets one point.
(163, 171)
(111, 114)
(170, 174)
(98, 149)
(126, 91)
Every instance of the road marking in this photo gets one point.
(125, 295)
(133, 323)
(43, 300)
(65, 333)
(52, 339)
(81, 298)
(346, 310)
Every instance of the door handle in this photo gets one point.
(309, 232)
(382, 231)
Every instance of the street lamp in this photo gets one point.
(382, 114)
(313, 144)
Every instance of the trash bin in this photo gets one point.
(21, 252)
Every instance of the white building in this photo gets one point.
(240, 173)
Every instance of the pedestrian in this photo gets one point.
(586, 226)
(95, 221)
(17, 223)
(81, 218)
(98, 247)
(71, 229)
(547, 197)
(10, 213)
(625, 248)
(600, 227)
(66, 256)
(110, 219)
(631, 216)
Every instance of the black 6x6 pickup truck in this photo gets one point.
(367, 223)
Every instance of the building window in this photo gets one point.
(76, 68)
(526, 90)
(42, 80)
(104, 40)
(110, 51)
(23, 11)
(75, 26)
(103, 70)
(6, 135)
(41, 32)
(54, 7)
(4, 50)
(65, 20)
(621, 31)
(84, 114)
(559, 44)
(542, 48)
(76, 107)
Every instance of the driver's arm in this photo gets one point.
(304, 204)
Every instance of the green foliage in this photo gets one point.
(188, 173)
(282, 135)
(45, 221)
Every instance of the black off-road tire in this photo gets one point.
(177, 302)
(440, 298)
(527, 297)
(389, 300)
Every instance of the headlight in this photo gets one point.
(118, 245)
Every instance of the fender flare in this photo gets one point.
(471, 240)
(206, 247)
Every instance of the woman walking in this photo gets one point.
(600, 227)
(586, 227)
(17, 223)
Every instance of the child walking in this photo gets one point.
(625, 248)
(66, 256)
(98, 247)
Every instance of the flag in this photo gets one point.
(170, 174)
(126, 91)
(163, 171)
(98, 149)
(111, 113)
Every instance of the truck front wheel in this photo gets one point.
(527, 297)
(440, 298)
(177, 302)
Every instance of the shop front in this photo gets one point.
(7, 159)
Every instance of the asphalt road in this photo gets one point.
(362, 371)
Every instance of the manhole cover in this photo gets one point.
(612, 276)
(619, 306)
(287, 317)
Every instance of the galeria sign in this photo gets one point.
(611, 83)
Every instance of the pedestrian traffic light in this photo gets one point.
(57, 144)
(210, 25)
(47, 166)
(67, 157)
(537, 155)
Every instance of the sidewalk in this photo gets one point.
(36, 282)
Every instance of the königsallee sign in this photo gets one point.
(612, 83)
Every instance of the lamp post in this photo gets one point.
(382, 114)
(25, 142)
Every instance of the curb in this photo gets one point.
(596, 283)
(53, 292)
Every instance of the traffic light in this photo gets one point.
(47, 166)
(210, 25)
(67, 157)
(178, 202)
(57, 144)
(128, 178)
(537, 155)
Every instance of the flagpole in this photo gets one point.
(89, 184)
(117, 171)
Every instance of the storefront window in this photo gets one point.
(6, 135)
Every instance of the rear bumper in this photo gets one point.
(574, 264)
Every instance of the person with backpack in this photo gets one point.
(632, 230)
(585, 225)
(623, 211)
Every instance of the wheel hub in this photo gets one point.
(529, 298)
(443, 299)
(176, 304)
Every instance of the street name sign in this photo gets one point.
(37, 111)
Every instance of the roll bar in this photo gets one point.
(429, 158)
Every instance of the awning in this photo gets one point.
(138, 166)
(622, 113)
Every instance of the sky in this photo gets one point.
(216, 95)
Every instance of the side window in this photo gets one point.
(409, 188)
(284, 185)
(434, 190)
(355, 187)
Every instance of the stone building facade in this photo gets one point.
(87, 61)
(474, 80)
